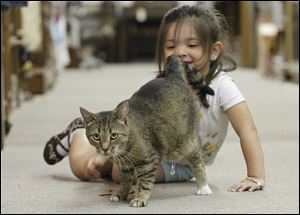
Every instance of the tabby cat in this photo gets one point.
(159, 122)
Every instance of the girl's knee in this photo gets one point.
(79, 173)
(77, 167)
(79, 155)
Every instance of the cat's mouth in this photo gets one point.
(106, 153)
(102, 152)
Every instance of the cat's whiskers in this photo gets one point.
(116, 159)
(122, 160)
(128, 156)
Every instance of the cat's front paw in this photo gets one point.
(137, 202)
(118, 197)
(205, 190)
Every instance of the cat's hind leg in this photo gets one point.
(198, 169)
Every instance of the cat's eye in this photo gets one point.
(96, 137)
(113, 136)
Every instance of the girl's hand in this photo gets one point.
(248, 184)
(93, 170)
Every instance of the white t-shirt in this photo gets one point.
(213, 120)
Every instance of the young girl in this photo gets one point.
(199, 37)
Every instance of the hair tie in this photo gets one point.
(204, 88)
(197, 81)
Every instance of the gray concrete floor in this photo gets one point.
(29, 185)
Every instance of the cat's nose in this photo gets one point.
(105, 150)
(105, 147)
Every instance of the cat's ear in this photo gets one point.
(121, 112)
(87, 116)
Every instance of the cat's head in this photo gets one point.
(108, 131)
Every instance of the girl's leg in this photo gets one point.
(85, 163)
(57, 147)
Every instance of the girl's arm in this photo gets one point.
(242, 122)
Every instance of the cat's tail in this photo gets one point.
(175, 66)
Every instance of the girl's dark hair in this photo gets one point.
(211, 26)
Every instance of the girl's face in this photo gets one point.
(186, 45)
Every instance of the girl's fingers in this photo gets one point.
(245, 185)
(235, 187)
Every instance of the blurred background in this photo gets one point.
(40, 40)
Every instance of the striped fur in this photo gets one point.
(159, 122)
